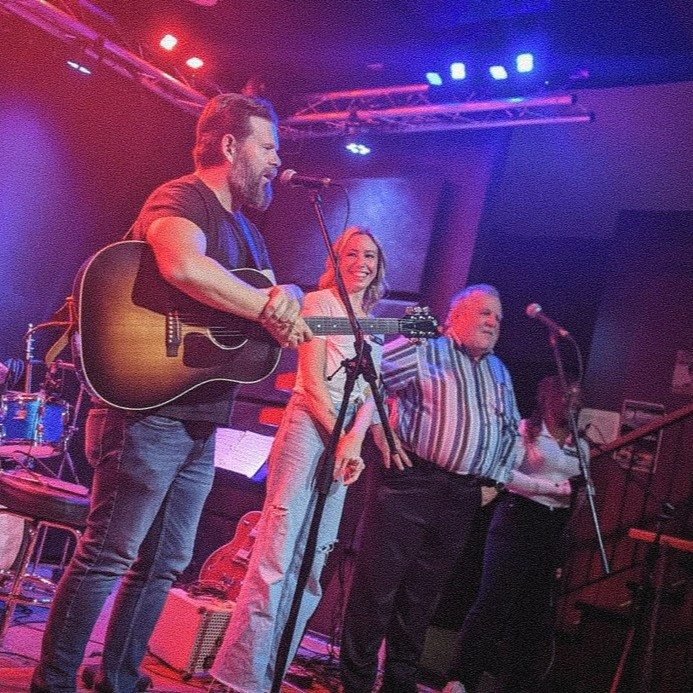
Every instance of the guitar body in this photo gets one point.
(144, 343)
(228, 564)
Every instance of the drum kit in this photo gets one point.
(35, 432)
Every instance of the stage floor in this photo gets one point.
(314, 670)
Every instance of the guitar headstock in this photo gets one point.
(418, 323)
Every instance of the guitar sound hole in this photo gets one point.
(227, 338)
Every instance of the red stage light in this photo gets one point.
(168, 42)
(194, 63)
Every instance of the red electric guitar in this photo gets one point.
(227, 565)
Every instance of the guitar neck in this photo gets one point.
(328, 325)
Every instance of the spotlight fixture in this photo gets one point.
(498, 72)
(358, 148)
(458, 71)
(434, 79)
(168, 42)
(79, 67)
(524, 62)
(194, 63)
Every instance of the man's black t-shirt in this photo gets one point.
(234, 242)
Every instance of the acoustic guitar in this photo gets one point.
(226, 567)
(145, 343)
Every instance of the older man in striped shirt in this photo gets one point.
(456, 423)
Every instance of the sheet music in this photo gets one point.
(243, 452)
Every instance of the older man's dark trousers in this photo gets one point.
(416, 525)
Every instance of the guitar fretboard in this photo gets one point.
(326, 325)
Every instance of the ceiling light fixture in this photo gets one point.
(458, 71)
(168, 42)
(498, 72)
(194, 63)
(79, 67)
(524, 62)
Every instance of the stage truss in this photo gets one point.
(389, 110)
(409, 109)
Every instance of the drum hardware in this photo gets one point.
(53, 384)
(29, 339)
(34, 427)
(39, 425)
(28, 357)
(66, 459)
(34, 424)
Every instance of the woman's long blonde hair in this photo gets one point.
(376, 289)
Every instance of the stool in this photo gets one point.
(42, 502)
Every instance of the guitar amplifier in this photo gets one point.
(189, 631)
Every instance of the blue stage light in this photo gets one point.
(357, 148)
(524, 62)
(434, 79)
(458, 71)
(498, 72)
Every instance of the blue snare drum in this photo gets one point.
(32, 424)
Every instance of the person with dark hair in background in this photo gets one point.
(456, 425)
(246, 661)
(504, 642)
(154, 469)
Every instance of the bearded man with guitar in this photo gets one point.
(153, 464)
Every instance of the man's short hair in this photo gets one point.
(226, 114)
(472, 288)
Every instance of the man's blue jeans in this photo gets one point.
(151, 477)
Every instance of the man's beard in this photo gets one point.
(249, 190)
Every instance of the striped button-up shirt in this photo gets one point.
(452, 410)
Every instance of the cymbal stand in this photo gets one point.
(28, 357)
(66, 459)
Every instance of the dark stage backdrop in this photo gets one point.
(78, 155)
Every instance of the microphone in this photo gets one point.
(534, 310)
(289, 177)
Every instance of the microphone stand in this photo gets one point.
(582, 458)
(362, 364)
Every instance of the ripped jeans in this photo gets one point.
(246, 658)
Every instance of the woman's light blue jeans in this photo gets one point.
(247, 657)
